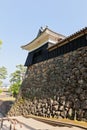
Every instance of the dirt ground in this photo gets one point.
(32, 124)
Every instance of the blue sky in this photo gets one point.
(20, 21)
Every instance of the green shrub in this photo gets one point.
(1, 91)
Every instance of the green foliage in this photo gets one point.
(1, 91)
(1, 83)
(14, 88)
(3, 74)
(0, 42)
(18, 75)
(16, 79)
(3, 71)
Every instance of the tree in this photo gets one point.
(14, 88)
(18, 75)
(3, 74)
(3, 70)
(0, 43)
(16, 79)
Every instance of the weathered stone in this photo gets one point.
(70, 112)
(77, 104)
(55, 102)
(85, 116)
(80, 81)
(44, 101)
(62, 114)
(46, 105)
(50, 101)
(38, 105)
(68, 104)
(58, 85)
(61, 108)
(62, 100)
(35, 101)
(44, 110)
(84, 104)
(82, 96)
(79, 90)
(55, 107)
(57, 113)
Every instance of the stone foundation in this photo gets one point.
(55, 88)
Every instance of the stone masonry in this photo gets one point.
(55, 88)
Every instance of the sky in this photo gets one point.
(20, 21)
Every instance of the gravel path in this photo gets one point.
(31, 124)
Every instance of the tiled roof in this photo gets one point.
(70, 38)
(42, 36)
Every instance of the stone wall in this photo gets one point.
(55, 88)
